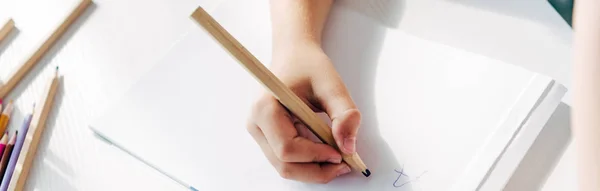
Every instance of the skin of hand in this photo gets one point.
(300, 62)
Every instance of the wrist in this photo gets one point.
(291, 43)
(296, 49)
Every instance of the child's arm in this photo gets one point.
(301, 64)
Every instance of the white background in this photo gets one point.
(117, 40)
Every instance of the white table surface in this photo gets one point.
(117, 40)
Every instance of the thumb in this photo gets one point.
(345, 118)
(345, 129)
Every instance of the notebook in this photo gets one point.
(434, 117)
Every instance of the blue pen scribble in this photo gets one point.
(401, 173)
(397, 183)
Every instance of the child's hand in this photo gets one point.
(310, 74)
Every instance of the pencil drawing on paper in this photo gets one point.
(398, 183)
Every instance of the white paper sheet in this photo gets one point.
(430, 111)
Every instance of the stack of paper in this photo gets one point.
(434, 117)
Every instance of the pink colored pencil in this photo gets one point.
(3, 142)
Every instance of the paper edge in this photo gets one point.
(488, 155)
(522, 143)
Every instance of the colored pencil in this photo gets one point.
(14, 156)
(5, 116)
(32, 139)
(279, 90)
(6, 154)
(17, 75)
(1, 112)
(8, 26)
(3, 143)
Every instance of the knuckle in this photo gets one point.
(323, 179)
(262, 101)
(285, 171)
(265, 107)
(285, 151)
(272, 110)
(252, 128)
(258, 106)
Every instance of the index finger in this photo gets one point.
(277, 125)
(274, 121)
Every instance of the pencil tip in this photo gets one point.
(367, 173)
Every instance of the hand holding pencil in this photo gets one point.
(284, 139)
(307, 82)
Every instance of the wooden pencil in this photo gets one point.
(32, 139)
(5, 116)
(6, 154)
(14, 155)
(279, 90)
(17, 75)
(8, 26)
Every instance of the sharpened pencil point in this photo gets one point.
(367, 173)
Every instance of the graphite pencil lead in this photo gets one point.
(367, 173)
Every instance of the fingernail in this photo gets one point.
(335, 160)
(349, 144)
(343, 171)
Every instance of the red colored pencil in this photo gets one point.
(6, 154)
(3, 142)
